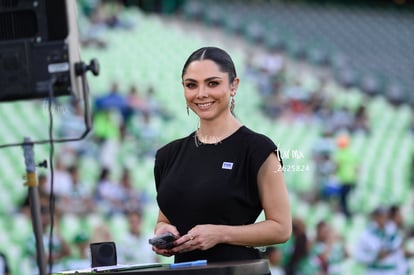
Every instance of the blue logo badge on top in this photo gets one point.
(227, 165)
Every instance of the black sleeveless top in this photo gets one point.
(201, 183)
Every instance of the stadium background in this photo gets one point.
(362, 52)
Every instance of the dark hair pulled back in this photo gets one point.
(217, 55)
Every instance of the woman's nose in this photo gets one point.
(202, 91)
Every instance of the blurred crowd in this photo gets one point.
(380, 248)
(96, 16)
(117, 116)
(286, 97)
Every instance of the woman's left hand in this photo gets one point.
(200, 237)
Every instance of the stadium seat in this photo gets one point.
(372, 85)
(21, 227)
(296, 48)
(193, 10)
(118, 225)
(214, 16)
(69, 226)
(234, 24)
(318, 56)
(347, 76)
(397, 94)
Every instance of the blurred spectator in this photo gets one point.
(316, 102)
(379, 246)
(274, 65)
(324, 115)
(111, 113)
(361, 121)
(107, 125)
(60, 248)
(274, 257)
(328, 250)
(264, 82)
(147, 133)
(298, 98)
(411, 175)
(324, 144)
(73, 126)
(136, 103)
(4, 265)
(43, 196)
(327, 185)
(113, 100)
(266, 71)
(91, 35)
(97, 17)
(107, 132)
(62, 181)
(72, 119)
(154, 107)
(91, 32)
(347, 171)
(322, 151)
(101, 233)
(78, 200)
(80, 257)
(297, 253)
(132, 199)
(342, 120)
(109, 194)
(250, 68)
(395, 216)
(133, 247)
(273, 62)
(274, 106)
(108, 13)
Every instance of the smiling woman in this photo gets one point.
(210, 196)
(207, 89)
(216, 75)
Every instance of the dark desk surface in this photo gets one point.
(258, 267)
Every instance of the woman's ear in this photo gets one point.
(235, 85)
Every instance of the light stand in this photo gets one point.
(34, 203)
(80, 68)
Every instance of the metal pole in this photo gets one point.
(34, 200)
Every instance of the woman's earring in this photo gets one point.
(232, 104)
(188, 111)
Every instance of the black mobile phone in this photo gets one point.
(164, 241)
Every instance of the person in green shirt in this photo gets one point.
(346, 171)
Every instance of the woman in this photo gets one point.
(213, 184)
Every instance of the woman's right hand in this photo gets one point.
(160, 229)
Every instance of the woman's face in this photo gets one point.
(207, 89)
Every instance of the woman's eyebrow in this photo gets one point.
(206, 80)
(212, 78)
(190, 80)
